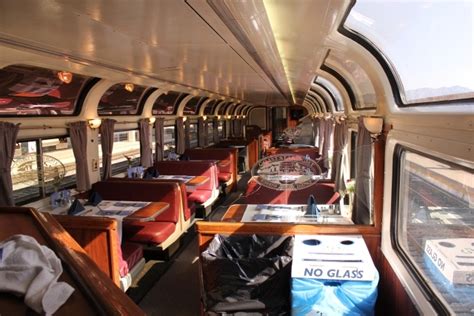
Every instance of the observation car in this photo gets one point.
(203, 108)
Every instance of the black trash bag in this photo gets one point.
(246, 273)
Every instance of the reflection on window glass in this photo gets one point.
(125, 152)
(27, 90)
(429, 43)
(223, 108)
(34, 178)
(220, 129)
(166, 103)
(210, 107)
(169, 140)
(193, 135)
(360, 81)
(192, 106)
(435, 223)
(121, 99)
(334, 91)
(210, 132)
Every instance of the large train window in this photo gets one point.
(361, 83)
(166, 103)
(434, 228)
(41, 167)
(428, 43)
(169, 140)
(121, 99)
(193, 135)
(210, 132)
(210, 107)
(192, 105)
(34, 91)
(334, 91)
(125, 152)
(220, 129)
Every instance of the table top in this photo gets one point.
(288, 213)
(188, 180)
(149, 212)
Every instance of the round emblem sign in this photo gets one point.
(25, 170)
(286, 172)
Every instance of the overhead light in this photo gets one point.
(94, 123)
(65, 76)
(184, 118)
(129, 87)
(374, 125)
(151, 120)
(218, 117)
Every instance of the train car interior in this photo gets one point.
(237, 157)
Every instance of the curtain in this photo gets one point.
(321, 133)
(146, 154)
(8, 135)
(328, 129)
(202, 133)
(187, 134)
(107, 143)
(215, 130)
(341, 135)
(180, 145)
(363, 196)
(78, 133)
(315, 130)
(159, 138)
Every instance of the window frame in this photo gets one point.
(388, 69)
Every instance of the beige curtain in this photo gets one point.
(107, 143)
(159, 138)
(328, 129)
(180, 136)
(341, 135)
(363, 187)
(8, 135)
(315, 130)
(78, 133)
(146, 154)
(321, 133)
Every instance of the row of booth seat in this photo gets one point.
(124, 258)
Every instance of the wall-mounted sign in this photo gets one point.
(286, 172)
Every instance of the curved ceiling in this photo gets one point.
(263, 52)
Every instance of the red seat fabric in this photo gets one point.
(148, 232)
(131, 253)
(224, 176)
(200, 196)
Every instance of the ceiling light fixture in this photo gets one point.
(129, 87)
(65, 76)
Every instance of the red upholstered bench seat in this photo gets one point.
(149, 232)
(200, 196)
(132, 253)
(224, 176)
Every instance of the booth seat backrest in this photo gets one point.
(144, 190)
(322, 192)
(205, 168)
(186, 207)
(222, 154)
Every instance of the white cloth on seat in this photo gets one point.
(27, 268)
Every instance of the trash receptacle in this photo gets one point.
(247, 273)
(332, 275)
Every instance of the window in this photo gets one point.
(210, 107)
(121, 99)
(220, 129)
(359, 79)
(433, 60)
(125, 152)
(192, 105)
(167, 104)
(435, 226)
(332, 90)
(210, 132)
(223, 108)
(169, 140)
(41, 167)
(27, 90)
(193, 135)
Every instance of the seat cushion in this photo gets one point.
(200, 196)
(148, 232)
(132, 253)
(224, 176)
